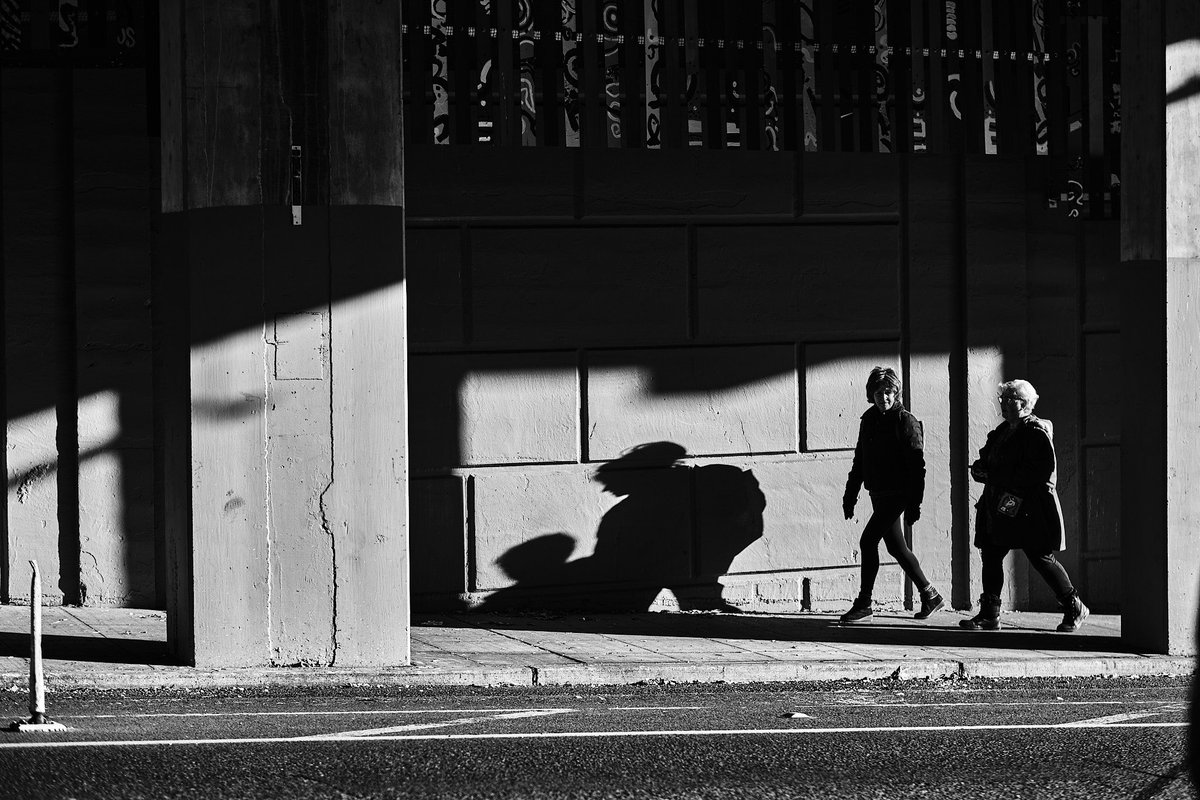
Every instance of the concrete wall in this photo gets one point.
(78, 187)
(572, 306)
(569, 306)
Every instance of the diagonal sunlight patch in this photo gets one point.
(32, 451)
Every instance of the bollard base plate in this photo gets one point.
(25, 726)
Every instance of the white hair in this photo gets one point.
(1022, 389)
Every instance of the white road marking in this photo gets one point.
(386, 711)
(576, 735)
(868, 704)
(343, 713)
(1110, 720)
(364, 711)
(448, 723)
(652, 708)
(1173, 707)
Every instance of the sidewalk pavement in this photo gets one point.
(125, 649)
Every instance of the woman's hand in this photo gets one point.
(979, 473)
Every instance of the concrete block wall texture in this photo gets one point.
(706, 531)
(805, 268)
(606, 286)
(834, 381)
(504, 408)
(737, 320)
(751, 409)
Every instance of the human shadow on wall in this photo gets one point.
(675, 527)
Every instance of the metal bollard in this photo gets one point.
(37, 689)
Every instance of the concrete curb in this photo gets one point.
(920, 669)
(740, 672)
(191, 679)
(1089, 667)
(183, 678)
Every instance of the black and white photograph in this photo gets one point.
(600, 399)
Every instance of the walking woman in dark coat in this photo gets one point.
(889, 459)
(1019, 508)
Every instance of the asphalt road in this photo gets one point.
(954, 739)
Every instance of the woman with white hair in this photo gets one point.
(1019, 508)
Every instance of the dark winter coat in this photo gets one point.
(1020, 462)
(889, 457)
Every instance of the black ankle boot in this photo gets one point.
(988, 618)
(861, 610)
(931, 601)
(1074, 613)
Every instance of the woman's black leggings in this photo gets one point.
(1046, 565)
(887, 525)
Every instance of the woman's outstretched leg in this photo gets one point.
(1055, 575)
(897, 547)
(885, 514)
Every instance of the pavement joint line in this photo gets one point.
(68, 612)
(506, 635)
(737, 645)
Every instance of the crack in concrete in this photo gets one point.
(269, 355)
(325, 526)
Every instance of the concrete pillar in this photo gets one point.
(282, 307)
(1160, 324)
